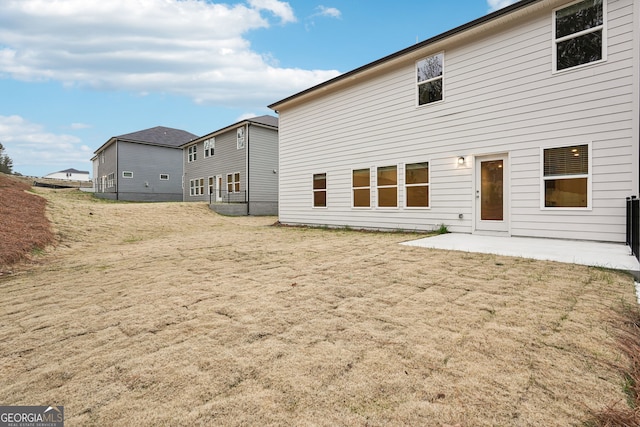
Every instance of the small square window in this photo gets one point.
(127, 174)
(164, 177)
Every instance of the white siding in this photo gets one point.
(500, 96)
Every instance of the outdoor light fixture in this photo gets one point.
(461, 160)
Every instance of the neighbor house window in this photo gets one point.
(566, 177)
(196, 187)
(127, 174)
(429, 73)
(240, 137)
(193, 153)
(209, 147)
(233, 182)
(111, 180)
(579, 34)
(387, 186)
(416, 181)
(102, 157)
(164, 177)
(320, 190)
(361, 183)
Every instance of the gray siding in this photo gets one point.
(263, 171)
(500, 96)
(107, 167)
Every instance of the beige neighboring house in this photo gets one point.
(70, 175)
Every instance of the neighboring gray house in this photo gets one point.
(141, 166)
(235, 168)
(524, 122)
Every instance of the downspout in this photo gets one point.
(117, 173)
(248, 173)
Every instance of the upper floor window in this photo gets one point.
(566, 177)
(240, 137)
(417, 185)
(429, 73)
(193, 153)
(320, 190)
(102, 157)
(209, 147)
(579, 34)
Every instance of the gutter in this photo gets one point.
(248, 169)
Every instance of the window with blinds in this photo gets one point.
(566, 176)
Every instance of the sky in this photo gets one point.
(74, 73)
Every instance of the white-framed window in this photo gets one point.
(164, 177)
(196, 187)
(233, 182)
(416, 185)
(209, 147)
(429, 75)
(361, 188)
(102, 157)
(566, 177)
(240, 138)
(127, 174)
(211, 185)
(193, 153)
(320, 190)
(387, 186)
(111, 180)
(579, 34)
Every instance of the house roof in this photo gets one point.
(71, 170)
(266, 120)
(411, 49)
(159, 135)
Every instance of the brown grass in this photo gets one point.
(168, 314)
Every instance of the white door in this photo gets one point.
(218, 188)
(492, 201)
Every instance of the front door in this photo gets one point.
(491, 194)
(218, 188)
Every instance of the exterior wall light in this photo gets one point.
(461, 160)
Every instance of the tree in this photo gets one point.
(6, 164)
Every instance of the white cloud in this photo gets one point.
(331, 12)
(29, 144)
(77, 126)
(191, 48)
(499, 4)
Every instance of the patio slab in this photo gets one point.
(609, 255)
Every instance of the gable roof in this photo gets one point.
(266, 121)
(71, 170)
(494, 16)
(160, 136)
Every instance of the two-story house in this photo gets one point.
(523, 122)
(235, 169)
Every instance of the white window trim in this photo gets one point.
(196, 187)
(415, 69)
(554, 41)
(192, 153)
(370, 187)
(397, 187)
(405, 185)
(164, 179)
(209, 147)
(313, 190)
(124, 174)
(240, 143)
(233, 182)
(589, 177)
(211, 185)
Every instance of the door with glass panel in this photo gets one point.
(491, 193)
(218, 188)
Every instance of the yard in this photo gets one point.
(169, 314)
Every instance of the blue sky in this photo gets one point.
(74, 73)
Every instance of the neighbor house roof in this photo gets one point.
(70, 171)
(351, 75)
(266, 121)
(159, 135)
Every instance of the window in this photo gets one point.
(566, 177)
(388, 186)
(102, 157)
(320, 190)
(211, 185)
(193, 153)
(164, 177)
(240, 138)
(429, 73)
(579, 34)
(111, 180)
(196, 187)
(127, 174)
(361, 183)
(209, 147)
(416, 182)
(233, 182)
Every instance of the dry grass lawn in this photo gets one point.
(169, 314)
